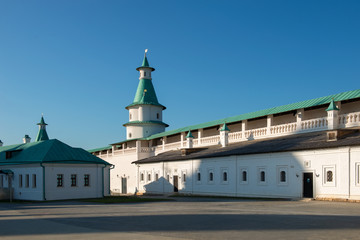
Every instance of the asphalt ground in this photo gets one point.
(185, 218)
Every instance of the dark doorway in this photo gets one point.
(308, 185)
(176, 181)
(124, 185)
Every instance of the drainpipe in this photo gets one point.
(163, 178)
(349, 152)
(43, 173)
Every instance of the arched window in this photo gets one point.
(199, 176)
(156, 176)
(130, 135)
(262, 176)
(141, 177)
(225, 176)
(157, 115)
(329, 176)
(211, 176)
(282, 176)
(184, 177)
(130, 116)
(244, 176)
(149, 176)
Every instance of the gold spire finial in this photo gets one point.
(146, 50)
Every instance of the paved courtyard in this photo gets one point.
(186, 218)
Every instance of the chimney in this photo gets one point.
(26, 139)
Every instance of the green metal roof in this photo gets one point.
(285, 108)
(42, 122)
(332, 106)
(189, 135)
(145, 122)
(280, 109)
(51, 151)
(100, 149)
(224, 128)
(145, 94)
(145, 62)
(42, 134)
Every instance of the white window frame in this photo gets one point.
(210, 171)
(158, 176)
(142, 179)
(279, 169)
(149, 174)
(244, 169)
(262, 169)
(198, 171)
(325, 170)
(183, 180)
(224, 170)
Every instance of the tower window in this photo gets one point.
(130, 135)
(130, 116)
(144, 74)
(157, 115)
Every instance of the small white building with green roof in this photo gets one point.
(151, 159)
(49, 169)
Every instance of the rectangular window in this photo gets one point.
(59, 180)
(73, 180)
(34, 180)
(20, 180)
(27, 180)
(1, 181)
(87, 180)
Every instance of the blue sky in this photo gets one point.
(75, 61)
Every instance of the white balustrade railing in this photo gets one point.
(256, 133)
(319, 123)
(174, 145)
(283, 128)
(349, 119)
(212, 140)
(235, 136)
(345, 120)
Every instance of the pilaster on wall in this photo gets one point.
(299, 117)
(243, 128)
(164, 140)
(138, 146)
(269, 122)
(200, 133)
(182, 137)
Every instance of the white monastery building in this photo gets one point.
(307, 149)
(49, 169)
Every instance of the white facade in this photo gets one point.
(283, 175)
(30, 183)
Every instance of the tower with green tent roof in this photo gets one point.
(145, 112)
